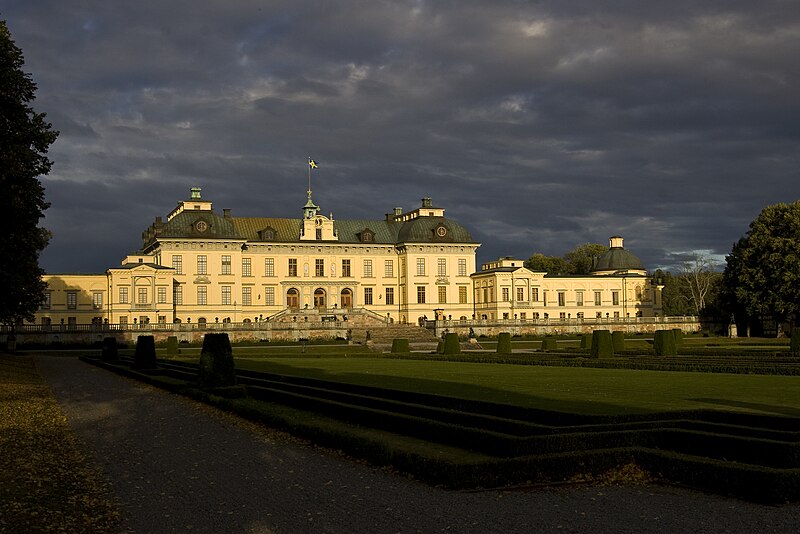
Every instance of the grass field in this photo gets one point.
(575, 390)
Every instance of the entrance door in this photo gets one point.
(293, 299)
(346, 298)
(319, 298)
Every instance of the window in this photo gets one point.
(616, 315)
(162, 319)
(535, 294)
(247, 267)
(367, 296)
(202, 264)
(421, 294)
(48, 300)
(562, 298)
(544, 297)
(346, 268)
(562, 315)
(202, 295)
(72, 300)
(579, 315)
(579, 298)
(442, 294)
(97, 300)
(520, 294)
(441, 266)
(177, 264)
(462, 294)
(177, 295)
(388, 268)
(420, 266)
(269, 267)
(598, 298)
(462, 267)
(319, 267)
(505, 294)
(141, 295)
(368, 268)
(318, 234)
(226, 295)
(226, 265)
(123, 321)
(247, 296)
(269, 296)
(390, 295)
(615, 298)
(292, 266)
(162, 295)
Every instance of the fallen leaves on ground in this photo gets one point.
(46, 484)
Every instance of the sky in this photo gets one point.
(539, 126)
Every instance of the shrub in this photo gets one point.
(549, 343)
(400, 346)
(618, 341)
(145, 355)
(664, 343)
(504, 343)
(451, 344)
(440, 347)
(602, 344)
(172, 345)
(108, 350)
(216, 362)
(586, 341)
(794, 344)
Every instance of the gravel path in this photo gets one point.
(176, 465)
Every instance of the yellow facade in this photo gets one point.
(201, 267)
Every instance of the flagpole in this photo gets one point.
(309, 177)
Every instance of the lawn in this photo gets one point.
(576, 390)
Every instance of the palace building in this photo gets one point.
(197, 266)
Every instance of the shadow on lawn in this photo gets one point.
(570, 411)
(770, 408)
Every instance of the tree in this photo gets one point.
(700, 279)
(24, 140)
(762, 276)
(581, 258)
(549, 264)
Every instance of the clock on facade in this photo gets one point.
(201, 226)
(441, 231)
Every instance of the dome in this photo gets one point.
(433, 229)
(617, 259)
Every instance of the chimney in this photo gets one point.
(226, 212)
(615, 241)
(398, 211)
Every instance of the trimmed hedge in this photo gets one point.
(452, 345)
(400, 346)
(172, 345)
(794, 344)
(216, 367)
(602, 344)
(678, 333)
(145, 355)
(664, 343)
(586, 341)
(549, 343)
(504, 343)
(108, 350)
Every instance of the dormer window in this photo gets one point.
(367, 236)
(267, 234)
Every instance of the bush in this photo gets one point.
(586, 341)
(794, 344)
(216, 362)
(172, 345)
(664, 343)
(602, 344)
(618, 341)
(549, 343)
(108, 350)
(451, 344)
(145, 355)
(504, 343)
(400, 346)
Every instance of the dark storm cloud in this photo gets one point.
(541, 126)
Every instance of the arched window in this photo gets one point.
(293, 298)
(319, 298)
(346, 298)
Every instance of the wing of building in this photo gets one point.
(199, 266)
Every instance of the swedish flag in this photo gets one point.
(312, 163)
